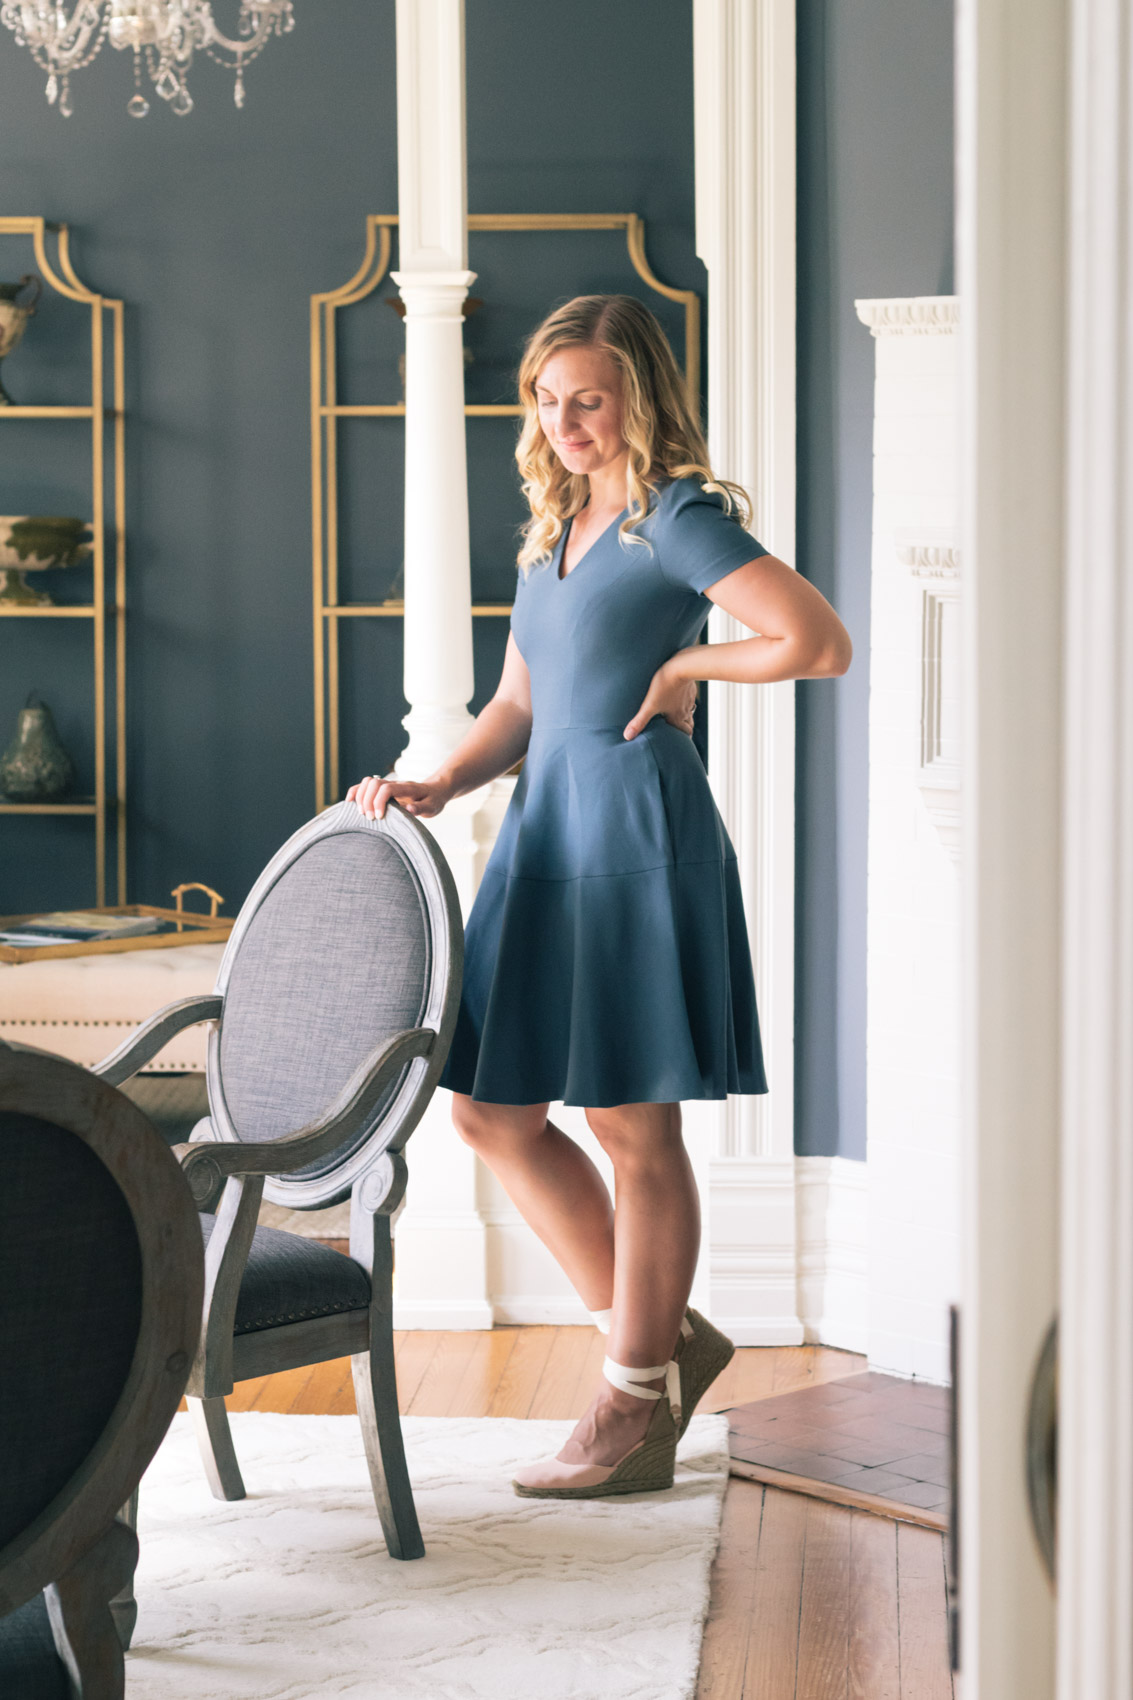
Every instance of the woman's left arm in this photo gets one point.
(795, 635)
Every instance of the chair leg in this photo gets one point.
(218, 1455)
(124, 1607)
(78, 1608)
(375, 1390)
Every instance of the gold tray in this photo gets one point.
(186, 928)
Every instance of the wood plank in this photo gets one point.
(833, 1493)
(279, 1392)
(874, 1662)
(515, 1391)
(831, 1364)
(824, 1608)
(341, 1402)
(325, 1381)
(412, 1354)
(482, 1372)
(437, 1387)
(747, 1377)
(557, 1392)
(922, 1600)
(723, 1654)
(772, 1631)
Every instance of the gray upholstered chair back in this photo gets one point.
(352, 934)
(101, 1286)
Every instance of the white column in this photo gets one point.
(1095, 1562)
(433, 278)
(1011, 251)
(442, 1279)
(745, 229)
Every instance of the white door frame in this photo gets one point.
(744, 71)
(1095, 1643)
(1011, 251)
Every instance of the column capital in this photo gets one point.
(433, 295)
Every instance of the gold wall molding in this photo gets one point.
(326, 411)
(107, 420)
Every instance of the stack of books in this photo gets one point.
(76, 926)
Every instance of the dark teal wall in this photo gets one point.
(216, 229)
(875, 218)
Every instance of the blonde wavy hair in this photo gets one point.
(663, 433)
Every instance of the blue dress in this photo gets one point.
(606, 954)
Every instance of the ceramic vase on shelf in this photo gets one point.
(31, 543)
(14, 316)
(35, 768)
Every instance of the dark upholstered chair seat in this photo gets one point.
(30, 1668)
(289, 1279)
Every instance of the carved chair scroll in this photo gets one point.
(333, 1014)
(101, 1284)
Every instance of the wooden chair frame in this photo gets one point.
(78, 1550)
(231, 1177)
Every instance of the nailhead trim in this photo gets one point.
(262, 1323)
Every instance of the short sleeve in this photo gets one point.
(697, 542)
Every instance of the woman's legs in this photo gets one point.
(657, 1238)
(552, 1183)
(639, 1259)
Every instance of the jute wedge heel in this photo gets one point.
(646, 1467)
(702, 1353)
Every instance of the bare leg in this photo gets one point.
(657, 1236)
(639, 1259)
(553, 1184)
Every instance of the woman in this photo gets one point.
(607, 962)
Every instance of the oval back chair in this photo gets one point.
(101, 1283)
(334, 1010)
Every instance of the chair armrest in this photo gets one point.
(207, 1163)
(153, 1035)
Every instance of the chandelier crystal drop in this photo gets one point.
(163, 36)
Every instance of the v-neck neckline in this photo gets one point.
(561, 577)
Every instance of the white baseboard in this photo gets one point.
(539, 1309)
(830, 1201)
(447, 1314)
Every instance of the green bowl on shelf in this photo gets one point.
(32, 543)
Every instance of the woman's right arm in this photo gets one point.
(494, 743)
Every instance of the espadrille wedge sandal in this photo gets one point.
(646, 1468)
(702, 1353)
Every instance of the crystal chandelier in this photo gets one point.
(163, 35)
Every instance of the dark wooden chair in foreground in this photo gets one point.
(333, 1014)
(101, 1284)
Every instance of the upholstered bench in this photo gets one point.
(83, 1007)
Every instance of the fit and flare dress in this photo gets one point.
(606, 955)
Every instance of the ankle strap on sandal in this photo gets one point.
(626, 1379)
(603, 1318)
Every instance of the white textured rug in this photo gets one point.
(290, 1593)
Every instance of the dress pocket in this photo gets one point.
(594, 807)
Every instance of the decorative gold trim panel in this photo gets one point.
(107, 375)
(326, 411)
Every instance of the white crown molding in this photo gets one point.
(910, 315)
(930, 560)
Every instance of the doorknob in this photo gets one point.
(1042, 1450)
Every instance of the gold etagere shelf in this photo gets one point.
(107, 421)
(327, 410)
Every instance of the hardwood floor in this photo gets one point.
(809, 1601)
